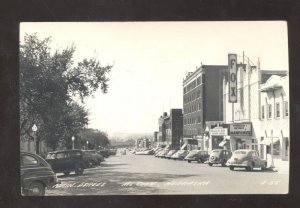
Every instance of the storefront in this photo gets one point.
(241, 136)
(219, 137)
(274, 143)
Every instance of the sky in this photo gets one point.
(151, 59)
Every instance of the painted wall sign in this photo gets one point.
(232, 65)
(240, 129)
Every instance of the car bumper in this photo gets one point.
(236, 165)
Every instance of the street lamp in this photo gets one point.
(206, 138)
(73, 139)
(87, 145)
(34, 129)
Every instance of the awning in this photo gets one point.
(223, 143)
(268, 140)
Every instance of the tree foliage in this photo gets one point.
(50, 83)
(96, 139)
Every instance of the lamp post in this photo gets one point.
(206, 137)
(73, 139)
(34, 129)
(87, 145)
(272, 161)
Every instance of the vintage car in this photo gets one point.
(66, 161)
(219, 156)
(170, 153)
(162, 153)
(145, 152)
(104, 152)
(98, 157)
(245, 158)
(197, 155)
(157, 151)
(89, 159)
(36, 175)
(180, 155)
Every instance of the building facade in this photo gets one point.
(274, 117)
(202, 99)
(246, 128)
(171, 129)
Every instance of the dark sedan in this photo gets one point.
(36, 175)
(197, 155)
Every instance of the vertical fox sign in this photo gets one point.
(232, 65)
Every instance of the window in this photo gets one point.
(60, 155)
(199, 106)
(269, 111)
(277, 110)
(199, 119)
(286, 108)
(28, 160)
(263, 112)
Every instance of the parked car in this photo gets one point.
(112, 152)
(66, 161)
(144, 152)
(163, 153)
(247, 159)
(180, 155)
(104, 152)
(219, 156)
(170, 153)
(36, 175)
(98, 156)
(197, 155)
(158, 151)
(89, 159)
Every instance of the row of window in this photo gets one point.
(192, 120)
(193, 84)
(278, 110)
(192, 97)
(192, 108)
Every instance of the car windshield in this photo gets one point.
(50, 156)
(240, 152)
(216, 151)
(194, 152)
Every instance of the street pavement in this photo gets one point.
(145, 174)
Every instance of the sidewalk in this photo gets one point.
(281, 166)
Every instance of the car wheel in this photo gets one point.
(231, 168)
(189, 161)
(223, 163)
(264, 166)
(36, 189)
(66, 173)
(249, 168)
(210, 164)
(78, 169)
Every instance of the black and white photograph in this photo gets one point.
(154, 108)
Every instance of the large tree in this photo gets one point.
(51, 85)
(96, 139)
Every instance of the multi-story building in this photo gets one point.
(202, 99)
(143, 143)
(274, 117)
(171, 129)
(246, 128)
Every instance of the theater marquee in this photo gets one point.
(232, 65)
(240, 129)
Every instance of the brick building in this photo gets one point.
(171, 129)
(202, 99)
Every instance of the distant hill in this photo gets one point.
(126, 135)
